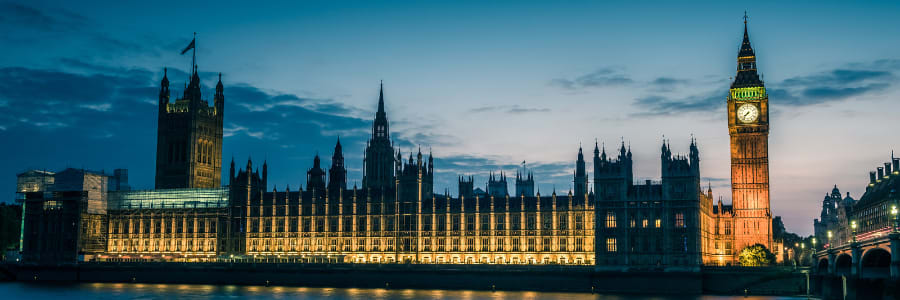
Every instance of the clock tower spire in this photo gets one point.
(748, 128)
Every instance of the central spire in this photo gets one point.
(381, 98)
(380, 129)
(379, 158)
(747, 75)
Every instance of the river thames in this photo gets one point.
(19, 290)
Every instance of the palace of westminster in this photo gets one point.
(395, 216)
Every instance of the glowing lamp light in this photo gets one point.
(829, 234)
(894, 210)
(853, 224)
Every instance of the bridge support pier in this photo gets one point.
(831, 264)
(895, 256)
(855, 252)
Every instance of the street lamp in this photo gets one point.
(894, 211)
(853, 227)
(814, 243)
(829, 239)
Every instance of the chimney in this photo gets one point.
(880, 173)
(872, 177)
(896, 167)
(887, 169)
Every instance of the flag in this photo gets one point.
(523, 162)
(189, 47)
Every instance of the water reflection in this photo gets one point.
(33, 291)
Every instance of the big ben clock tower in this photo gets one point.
(748, 127)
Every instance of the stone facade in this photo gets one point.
(189, 137)
(649, 224)
(748, 128)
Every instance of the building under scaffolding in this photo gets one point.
(65, 213)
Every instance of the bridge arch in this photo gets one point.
(822, 267)
(842, 265)
(876, 263)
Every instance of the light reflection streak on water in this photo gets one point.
(31, 291)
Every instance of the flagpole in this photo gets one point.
(194, 59)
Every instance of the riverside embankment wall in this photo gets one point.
(468, 277)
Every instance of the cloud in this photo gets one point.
(26, 27)
(836, 77)
(509, 109)
(98, 107)
(656, 105)
(232, 129)
(15, 15)
(668, 81)
(105, 117)
(666, 84)
(827, 93)
(840, 84)
(603, 77)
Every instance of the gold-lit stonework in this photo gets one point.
(748, 220)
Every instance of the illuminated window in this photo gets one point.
(530, 222)
(426, 223)
(657, 223)
(610, 219)
(679, 220)
(644, 223)
(563, 222)
(610, 244)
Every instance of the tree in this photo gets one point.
(756, 255)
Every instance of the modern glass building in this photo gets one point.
(168, 224)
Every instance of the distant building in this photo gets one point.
(65, 217)
(524, 184)
(10, 230)
(872, 212)
(497, 185)
(834, 218)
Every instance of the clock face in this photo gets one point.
(747, 113)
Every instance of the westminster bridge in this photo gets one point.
(867, 267)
